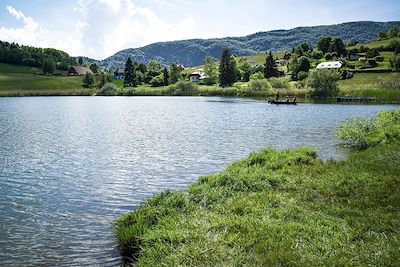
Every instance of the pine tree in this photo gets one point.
(130, 79)
(166, 76)
(270, 69)
(226, 69)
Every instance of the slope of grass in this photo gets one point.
(375, 44)
(9, 68)
(372, 85)
(275, 208)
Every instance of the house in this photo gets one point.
(119, 74)
(79, 70)
(330, 65)
(197, 76)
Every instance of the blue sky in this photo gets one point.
(99, 28)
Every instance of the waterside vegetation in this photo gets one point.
(280, 208)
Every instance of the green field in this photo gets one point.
(20, 81)
(278, 208)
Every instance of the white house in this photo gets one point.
(197, 76)
(330, 65)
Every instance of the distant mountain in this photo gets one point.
(193, 52)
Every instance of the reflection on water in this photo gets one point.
(69, 166)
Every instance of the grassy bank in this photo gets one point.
(24, 81)
(277, 208)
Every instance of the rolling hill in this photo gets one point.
(193, 52)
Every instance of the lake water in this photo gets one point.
(70, 166)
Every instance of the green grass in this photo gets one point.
(275, 208)
(374, 44)
(16, 80)
(372, 85)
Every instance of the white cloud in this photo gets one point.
(104, 28)
(29, 33)
(108, 26)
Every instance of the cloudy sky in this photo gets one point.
(100, 28)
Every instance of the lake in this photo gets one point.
(70, 166)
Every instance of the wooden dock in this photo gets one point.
(345, 99)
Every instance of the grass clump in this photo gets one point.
(278, 208)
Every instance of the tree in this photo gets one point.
(245, 70)
(395, 62)
(294, 67)
(130, 79)
(324, 43)
(270, 69)
(226, 69)
(175, 73)
(393, 32)
(94, 67)
(324, 82)
(211, 70)
(305, 47)
(165, 76)
(88, 80)
(382, 36)
(154, 68)
(337, 46)
(304, 64)
(49, 66)
(80, 61)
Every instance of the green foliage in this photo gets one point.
(279, 83)
(105, 77)
(166, 77)
(95, 68)
(227, 74)
(183, 88)
(324, 43)
(304, 64)
(108, 89)
(157, 81)
(270, 69)
(316, 54)
(393, 32)
(302, 75)
(49, 66)
(364, 133)
(259, 84)
(130, 79)
(80, 61)
(390, 83)
(257, 76)
(395, 62)
(211, 70)
(175, 73)
(245, 70)
(323, 82)
(382, 36)
(88, 80)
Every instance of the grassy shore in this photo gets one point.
(276, 208)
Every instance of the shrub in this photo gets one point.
(328, 56)
(257, 76)
(316, 54)
(392, 83)
(364, 133)
(88, 80)
(259, 84)
(379, 59)
(372, 53)
(182, 88)
(157, 81)
(279, 82)
(395, 62)
(302, 75)
(108, 89)
(372, 62)
(324, 82)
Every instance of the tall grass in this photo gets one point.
(276, 208)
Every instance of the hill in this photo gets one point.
(193, 52)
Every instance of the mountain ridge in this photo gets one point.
(192, 52)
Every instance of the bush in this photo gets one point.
(395, 62)
(379, 59)
(108, 89)
(157, 81)
(372, 53)
(364, 133)
(316, 54)
(302, 75)
(279, 82)
(88, 80)
(328, 56)
(182, 88)
(324, 82)
(257, 76)
(393, 83)
(372, 62)
(259, 84)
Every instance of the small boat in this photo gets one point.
(282, 102)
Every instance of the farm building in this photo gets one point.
(330, 65)
(119, 74)
(79, 70)
(197, 76)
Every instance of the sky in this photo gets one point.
(100, 28)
